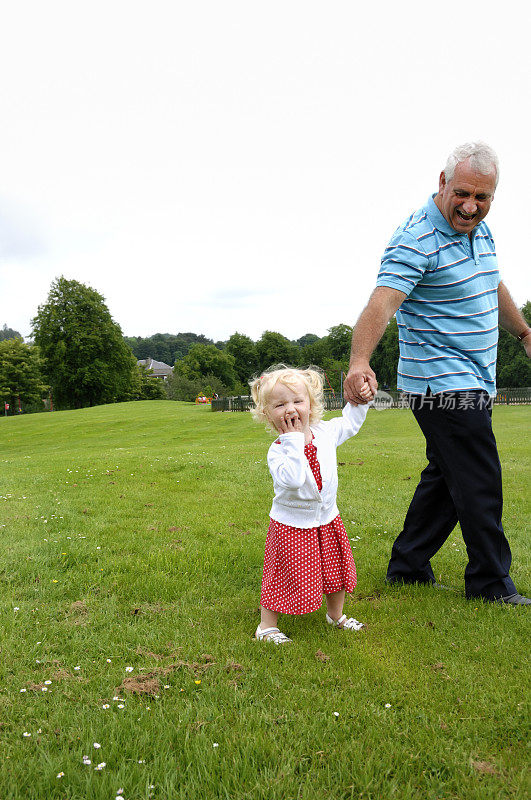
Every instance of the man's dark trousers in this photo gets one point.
(462, 483)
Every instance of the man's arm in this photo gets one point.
(370, 328)
(510, 318)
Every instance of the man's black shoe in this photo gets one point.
(514, 600)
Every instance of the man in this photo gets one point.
(440, 275)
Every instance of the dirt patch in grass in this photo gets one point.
(485, 767)
(141, 684)
(59, 674)
(197, 667)
(233, 666)
(78, 613)
(149, 683)
(175, 544)
(62, 674)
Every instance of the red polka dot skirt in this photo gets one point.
(302, 564)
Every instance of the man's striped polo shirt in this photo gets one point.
(448, 325)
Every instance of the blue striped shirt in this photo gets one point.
(448, 324)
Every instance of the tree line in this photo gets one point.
(208, 367)
(226, 367)
(79, 357)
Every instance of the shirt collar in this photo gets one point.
(439, 221)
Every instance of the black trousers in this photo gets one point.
(462, 483)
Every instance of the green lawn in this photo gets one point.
(132, 537)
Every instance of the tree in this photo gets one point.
(205, 359)
(314, 353)
(179, 387)
(308, 338)
(332, 371)
(243, 349)
(148, 386)
(339, 339)
(85, 357)
(20, 375)
(9, 333)
(159, 349)
(165, 347)
(273, 348)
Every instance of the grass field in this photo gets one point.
(132, 543)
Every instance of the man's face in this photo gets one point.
(465, 200)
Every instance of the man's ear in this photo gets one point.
(442, 182)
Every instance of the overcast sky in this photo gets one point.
(226, 166)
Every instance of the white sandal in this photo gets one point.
(271, 635)
(349, 624)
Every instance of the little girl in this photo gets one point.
(307, 551)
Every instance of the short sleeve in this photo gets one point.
(404, 263)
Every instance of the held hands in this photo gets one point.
(360, 385)
(366, 393)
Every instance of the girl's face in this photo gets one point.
(288, 408)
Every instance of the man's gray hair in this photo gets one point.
(483, 159)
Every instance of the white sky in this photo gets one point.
(220, 166)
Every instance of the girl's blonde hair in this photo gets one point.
(262, 387)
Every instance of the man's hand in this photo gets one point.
(360, 378)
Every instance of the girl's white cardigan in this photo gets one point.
(297, 500)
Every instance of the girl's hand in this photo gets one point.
(366, 392)
(290, 423)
